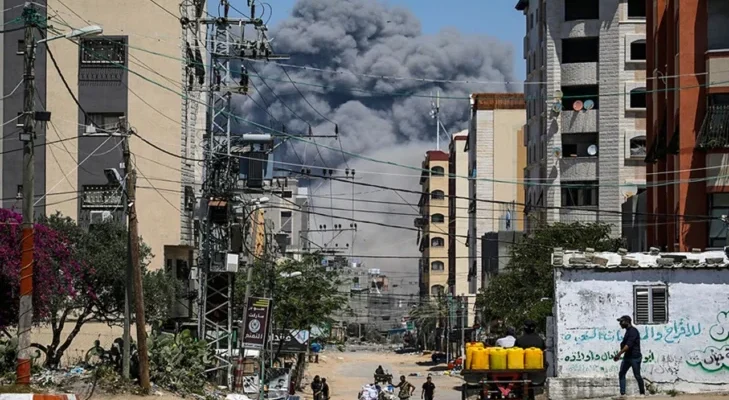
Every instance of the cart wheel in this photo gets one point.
(464, 390)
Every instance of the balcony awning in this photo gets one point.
(714, 133)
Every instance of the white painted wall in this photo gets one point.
(690, 353)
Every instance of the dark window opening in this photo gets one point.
(583, 93)
(581, 9)
(437, 266)
(580, 50)
(638, 98)
(286, 221)
(437, 195)
(104, 122)
(437, 242)
(650, 305)
(21, 47)
(579, 194)
(287, 194)
(718, 207)
(437, 218)
(437, 171)
(578, 144)
(19, 192)
(638, 50)
(20, 121)
(638, 147)
(636, 9)
(102, 51)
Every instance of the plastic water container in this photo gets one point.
(497, 356)
(480, 359)
(515, 358)
(534, 358)
(469, 356)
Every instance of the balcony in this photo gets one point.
(717, 67)
(580, 28)
(579, 73)
(578, 168)
(579, 121)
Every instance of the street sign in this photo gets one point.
(294, 341)
(258, 315)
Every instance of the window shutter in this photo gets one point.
(659, 305)
(642, 306)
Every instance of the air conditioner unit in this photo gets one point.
(98, 217)
(231, 262)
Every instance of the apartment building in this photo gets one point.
(687, 123)
(69, 167)
(434, 224)
(458, 215)
(496, 161)
(288, 213)
(586, 108)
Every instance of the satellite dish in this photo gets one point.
(592, 150)
(577, 105)
(589, 105)
(557, 107)
(558, 94)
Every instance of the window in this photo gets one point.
(437, 171)
(189, 198)
(437, 290)
(638, 98)
(638, 50)
(650, 305)
(718, 206)
(437, 218)
(581, 9)
(579, 194)
(20, 121)
(104, 122)
(287, 194)
(638, 147)
(580, 50)
(437, 266)
(636, 9)
(286, 221)
(21, 47)
(437, 242)
(104, 51)
(437, 195)
(19, 192)
(582, 93)
(578, 144)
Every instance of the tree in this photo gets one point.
(78, 277)
(427, 316)
(526, 289)
(304, 293)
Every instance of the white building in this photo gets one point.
(585, 54)
(678, 301)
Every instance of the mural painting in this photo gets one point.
(713, 358)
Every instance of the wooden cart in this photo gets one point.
(502, 384)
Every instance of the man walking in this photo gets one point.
(632, 357)
(406, 388)
(428, 389)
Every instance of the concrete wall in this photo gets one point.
(460, 249)
(681, 354)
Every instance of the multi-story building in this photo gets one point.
(114, 75)
(586, 105)
(458, 215)
(496, 161)
(434, 223)
(688, 59)
(288, 210)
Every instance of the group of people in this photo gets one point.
(407, 389)
(529, 339)
(320, 388)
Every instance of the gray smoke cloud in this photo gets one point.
(370, 37)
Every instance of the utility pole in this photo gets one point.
(463, 325)
(126, 335)
(25, 319)
(136, 268)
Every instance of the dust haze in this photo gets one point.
(385, 119)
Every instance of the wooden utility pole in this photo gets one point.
(131, 187)
(25, 319)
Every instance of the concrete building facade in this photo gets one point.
(288, 212)
(684, 337)
(496, 161)
(107, 75)
(458, 215)
(586, 106)
(434, 224)
(687, 132)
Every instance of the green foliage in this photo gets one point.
(310, 298)
(526, 289)
(178, 362)
(426, 316)
(8, 355)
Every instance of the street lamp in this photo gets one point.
(91, 30)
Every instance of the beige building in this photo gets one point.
(458, 215)
(434, 222)
(497, 158)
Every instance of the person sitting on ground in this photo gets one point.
(508, 340)
(530, 338)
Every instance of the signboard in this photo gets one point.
(258, 315)
(294, 341)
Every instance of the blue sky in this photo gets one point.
(496, 18)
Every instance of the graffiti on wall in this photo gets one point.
(594, 357)
(670, 333)
(712, 358)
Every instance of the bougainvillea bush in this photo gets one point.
(58, 275)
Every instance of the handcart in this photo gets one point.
(502, 384)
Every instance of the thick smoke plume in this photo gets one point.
(375, 119)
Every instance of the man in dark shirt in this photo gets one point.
(530, 338)
(428, 389)
(630, 349)
(325, 389)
